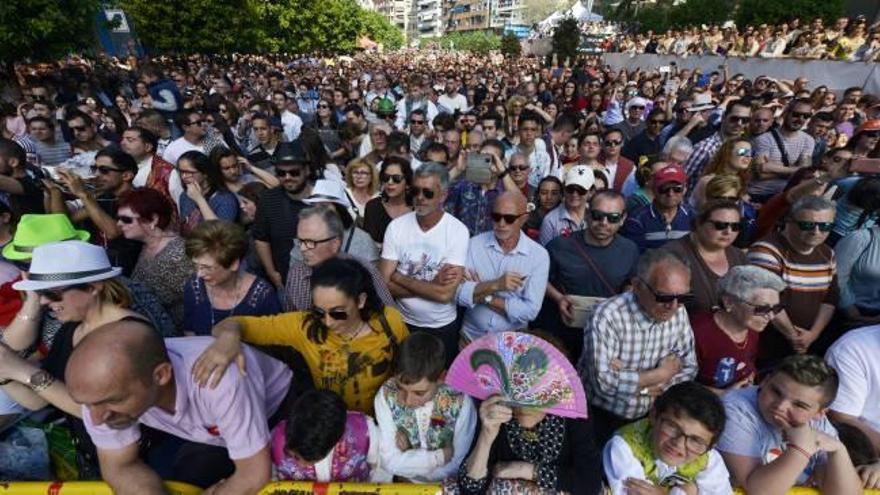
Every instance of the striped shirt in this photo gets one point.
(52, 154)
(701, 156)
(811, 278)
(620, 330)
(649, 229)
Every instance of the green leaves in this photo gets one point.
(469, 41)
(45, 29)
(510, 45)
(566, 39)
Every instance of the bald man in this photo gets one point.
(506, 273)
(123, 375)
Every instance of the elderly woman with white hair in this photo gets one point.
(726, 340)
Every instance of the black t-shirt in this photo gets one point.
(31, 200)
(122, 252)
(275, 223)
(376, 219)
(572, 274)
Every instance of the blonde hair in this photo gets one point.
(718, 165)
(356, 164)
(114, 292)
(720, 184)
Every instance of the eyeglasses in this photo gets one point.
(598, 216)
(508, 218)
(719, 226)
(127, 220)
(55, 295)
(743, 152)
(293, 172)
(692, 443)
(394, 178)
(801, 115)
(518, 168)
(810, 226)
(666, 298)
(79, 128)
(423, 191)
(737, 119)
(103, 170)
(183, 172)
(612, 144)
(312, 243)
(573, 189)
(671, 189)
(336, 314)
(763, 309)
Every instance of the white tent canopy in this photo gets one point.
(577, 11)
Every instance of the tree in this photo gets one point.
(566, 39)
(205, 26)
(379, 29)
(302, 26)
(510, 45)
(45, 29)
(469, 41)
(757, 12)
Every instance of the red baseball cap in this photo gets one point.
(669, 174)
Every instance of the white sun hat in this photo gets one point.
(62, 264)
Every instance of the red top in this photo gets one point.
(722, 361)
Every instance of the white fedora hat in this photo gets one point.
(328, 191)
(62, 264)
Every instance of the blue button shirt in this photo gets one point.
(486, 259)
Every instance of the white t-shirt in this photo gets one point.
(451, 104)
(421, 255)
(620, 463)
(177, 148)
(854, 356)
(746, 433)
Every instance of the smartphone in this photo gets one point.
(664, 69)
(479, 168)
(866, 166)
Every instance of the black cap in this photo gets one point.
(291, 152)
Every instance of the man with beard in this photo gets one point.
(736, 120)
(777, 435)
(779, 153)
(415, 100)
(278, 213)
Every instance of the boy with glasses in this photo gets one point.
(671, 451)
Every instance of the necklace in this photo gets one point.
(739, 345)
(349, 336)
(237, 300)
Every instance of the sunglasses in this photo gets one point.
(293, 172)
(743, 152)
(424, 191)
(666, 298)
(336, 314)
(103, 170)
(197, 122)
(726, 198)
(672, 189)
(573, 189)
(417, 122)
(810, 226)
(312, 243)
(55, 295)
(78, 128)
(763, 309)
(801, 115)
(323, 106)
(508, 218)
(394, 178)
(520, 168)
(127, 220)
(658, 122)
(719, 226)
(598, 216)
(612, 144)
(738, 120)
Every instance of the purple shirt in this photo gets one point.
(234, 415)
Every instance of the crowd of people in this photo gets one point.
(226, 270)
(852, 39)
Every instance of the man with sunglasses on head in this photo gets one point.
(505, 273)
(780, 152)
(277, 215)
(423, 259)
(415, 99)
(638, 343)
(737, 116)
(667, 217)
(594, 262)
(114, 171)
(808, 266)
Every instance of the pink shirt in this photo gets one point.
(234, 415)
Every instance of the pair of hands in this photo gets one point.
(812, 440)
(507, 282)
(70, 180)
(800, 338)
(448, 274)
(401, 439)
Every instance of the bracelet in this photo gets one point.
(798, 448)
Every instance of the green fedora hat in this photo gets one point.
(35, 230)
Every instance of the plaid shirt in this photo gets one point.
(620, 330)
(703, 153)
(298, 288)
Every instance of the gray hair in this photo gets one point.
(328, 215)
(518, 154)
(676, 143)
(741, 281)
(653, 257)
(433, 169)
(811, 203)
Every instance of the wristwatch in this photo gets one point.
(488, 299)
(41, 380)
